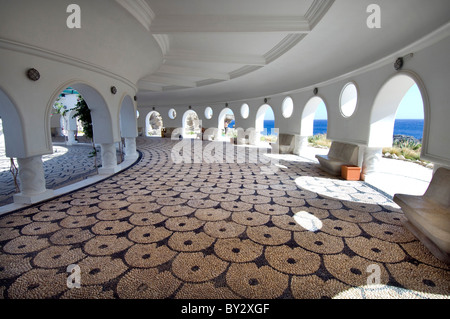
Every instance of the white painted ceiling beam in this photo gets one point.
(183, 71)
(215, 57)
(158, 79)
(140, 10)
(222, 23)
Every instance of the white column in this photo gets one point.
(32, 181)
(301, 143)
(372, 157)
(253, 137)
(109, 159)
(130, 148)
(71, 138)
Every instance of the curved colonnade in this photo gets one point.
(108, 80)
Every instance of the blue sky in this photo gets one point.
(411, 107)
(270, 116)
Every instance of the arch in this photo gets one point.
(259, 121)
(15, 144)
(101, 115)
(148, 127)
(221, 123)
(222, 116)
(308, 115)
(187, 132)
(385, 106)
(127, 116)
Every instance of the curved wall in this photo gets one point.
(429, 64)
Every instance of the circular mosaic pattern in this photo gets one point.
(190, 241)
(295, 261)
(147, 284)
(148, 234)
(147, 256)
(236, 250)
(223, 229)
(201, 230)
(212, 214)
(252, 282)
(196, 267)
(269, 235)
(58, 256)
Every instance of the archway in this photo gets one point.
(128, 127)
(314, 123)
(265, 125)
(226, 124)
(12, 145)
(128, 120)
(12, 128)
(102, 126)
(153, 124)
(394, 93)
(191, 125)
(101, 116)
(386, 105)
(63, 114)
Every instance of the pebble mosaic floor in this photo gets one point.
(251, 230)
(68, 164)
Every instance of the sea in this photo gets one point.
(412, 128)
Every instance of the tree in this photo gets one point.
(83, 113)
(192, 122)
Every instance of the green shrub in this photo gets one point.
(319, 140)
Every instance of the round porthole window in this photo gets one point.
(245, 111)
(172, 114)
(349, 100)
(287, 107)
(208, 113)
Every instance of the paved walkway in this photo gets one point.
(256, 229)
(68, 164)
(393, 176)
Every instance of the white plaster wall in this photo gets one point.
(109, 36)
(33, 101)
(429, 63)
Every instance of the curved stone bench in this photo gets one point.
(286, 143)
(429, 215)
(340, 154)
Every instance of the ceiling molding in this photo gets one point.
(215, 57)
(317, 10)
(172, 77)
(183, 71)
(284, 46)
(163, 42)
(62, 58)
(208, 82)
(244, 70)
(228, 23)
(140, 10)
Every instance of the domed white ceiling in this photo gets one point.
(216, 50)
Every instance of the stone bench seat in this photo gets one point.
(286, 143)
(339, 154)
(429, 215)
